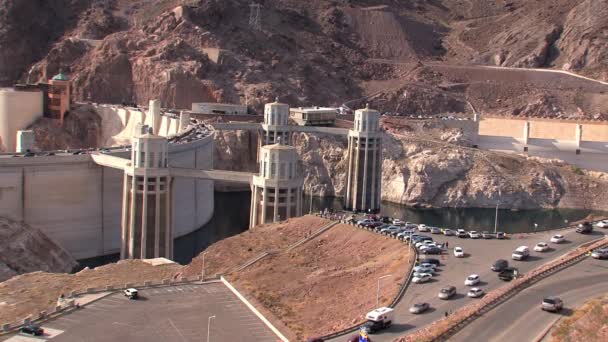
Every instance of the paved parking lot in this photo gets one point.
(178, 313)
(479, 256)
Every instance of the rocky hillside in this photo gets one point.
(433, 173)
(24, 249)
(183, 51)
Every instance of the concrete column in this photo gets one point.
(154, 111)
(125, 217)
(356, 166)
(350, 169)
(132, 227)
(299, 201)
(276, 202)
(526, 132)
(365, 182)
(157, 217)
(264, 204)
(254, 206)
(378, 168)
(184, 121)
(169, 217)
(578, 135)
(144, 219)
(288, 203)
(373, 185)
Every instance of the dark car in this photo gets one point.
(432, 250)
(584, 228)
(32, 329)
(500, 265)
(372, 326)
(507, 274)
(435, 262)
(386, 219)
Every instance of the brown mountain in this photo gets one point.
(313, 52)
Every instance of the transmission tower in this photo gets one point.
(255, 20)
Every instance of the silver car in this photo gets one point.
(601, 253)
(447, 292)
(552, 303)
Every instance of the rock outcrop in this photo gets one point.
(25, 249)
(429, 173)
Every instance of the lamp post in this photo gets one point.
(310, 211)
(496, 217)
(378, 291)
(535, 226)
(209, 326)
(203, 268)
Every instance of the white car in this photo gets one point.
(541, 247)
(428, 265)
(424, 243)
(602, 224)
(422, 278)
(472, 280)
(474, 234)
(557, 238)
(420, 269)
(398, 222)
(423, 228)
(475, 292)
(449, 232)
(458, 252)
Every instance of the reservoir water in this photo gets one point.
(231, 217)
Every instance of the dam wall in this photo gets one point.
(77, 203)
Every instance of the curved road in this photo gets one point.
(480, 254)
(521, 319)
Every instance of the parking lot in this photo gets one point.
(479, 256)
(177, 313)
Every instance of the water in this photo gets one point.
(231, 217)
(509, 221)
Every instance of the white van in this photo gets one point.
(521, 253)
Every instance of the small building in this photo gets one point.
(59, 96)
(314, 116)
(218, 108)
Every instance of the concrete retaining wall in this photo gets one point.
(77, 203)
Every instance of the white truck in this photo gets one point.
(378, 319)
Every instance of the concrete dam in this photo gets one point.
(77, 203)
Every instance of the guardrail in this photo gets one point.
(444, 328)
(395, 301)
(70, 304)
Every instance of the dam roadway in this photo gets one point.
(521, 319)
(479, 256)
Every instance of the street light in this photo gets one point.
(209, 326)
(378, 291)
(203, 267)
(535, 226)
(496, 217)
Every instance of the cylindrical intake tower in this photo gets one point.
(147, 230)
(364, 162)
(275, 128)
(276, 193)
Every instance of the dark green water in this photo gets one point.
(509, 221)
(231, 217)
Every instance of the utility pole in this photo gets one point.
(254, 16)
(496, 217)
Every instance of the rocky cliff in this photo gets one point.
(184, 51)
(25, 249)
(433, 173)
